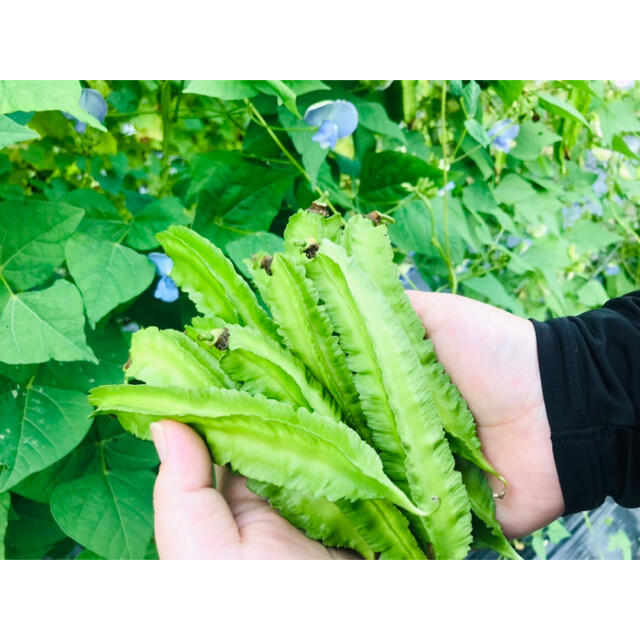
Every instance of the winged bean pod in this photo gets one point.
(429, 463)
(294, 448)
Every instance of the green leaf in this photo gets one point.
(313, 155)
(223, 89)
(592, 294)
(236, 198)
(489, 287)
(512, 189)
(109, 513)
(620, 540)
(5, 504)
(470, 98)
(477, 132)
(248, 246)
(589, 236)
(532, 139)
(32, 245)
(561, 108)
(43, 325)
(618, 117)
(45, 95)
(11, 132)
(373, 116)
(282, 91)
(155, 217)
(509, 90)
(40, 426)
(384, 173)
(412, 229)
(106, 273)
(101, 219)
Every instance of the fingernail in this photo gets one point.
(159, 438)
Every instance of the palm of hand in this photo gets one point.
(490, 355)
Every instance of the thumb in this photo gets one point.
(192, 520)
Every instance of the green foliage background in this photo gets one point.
(526, 230)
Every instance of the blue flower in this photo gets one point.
(447, 187)
(624, 85)
(335, 119)
(612, 269)
(167, 290)
(504, 131)
(92, 102)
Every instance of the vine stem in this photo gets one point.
(445, 174)
(6, 284)
(263, 123)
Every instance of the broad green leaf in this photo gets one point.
(532, 139)
(592, 294)
(101, 219)
(152, 219)
(32, 244)
(280, 90)
(109, 513)
(412, 229)
(561, 108)
(12, 132)
(45, 95)
(384, 173)
(490, 287)
(618, 117)
(236, 198)
(480, 157)
(512, 188)
(306, 451)
(477, 132)
(509, 90)
(107, 273)
(313, 155)
(32, 532)
(372, 116)
(40, 426)
(589, 236)
(43, 325)
(247, 246)
(470, 98)
(5, 504)
(223, 89)
(478, 198)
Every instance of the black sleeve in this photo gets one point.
(590, 371)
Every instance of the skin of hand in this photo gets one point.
(491, 355)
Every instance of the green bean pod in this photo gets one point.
(266, 440)
(429, 464)
(308, 228)
(211, 281)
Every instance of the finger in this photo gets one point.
(238, 496)
(192, 520)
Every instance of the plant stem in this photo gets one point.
(263, 123)
(445, 174)
(6, 284)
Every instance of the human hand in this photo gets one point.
(492, 357)
(490, 354)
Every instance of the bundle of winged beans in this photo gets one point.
(333, 404)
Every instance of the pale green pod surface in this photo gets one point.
(319, 518)
(429, 463)
(362, 360)
(370, 247)
(487, 531)
(306, 227)
(294, 448)
(169, 358)
(307, 332)
(384, 528)
(211, 281)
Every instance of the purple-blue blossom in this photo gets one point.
(335, 119)
(166, 290)
(92, 102)
(612, 269)
(504, 132)
(450, 186)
